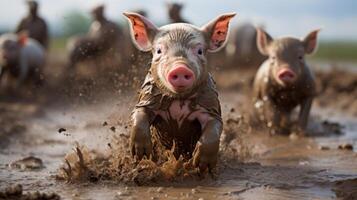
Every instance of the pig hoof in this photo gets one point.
(205, 157)
(141, 149)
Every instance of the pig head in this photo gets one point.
(178, 97)
(284, 80)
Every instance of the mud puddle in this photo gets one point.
(253, 165)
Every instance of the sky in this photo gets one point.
(337, 19)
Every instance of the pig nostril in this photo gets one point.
(174, 77)
(187, 77)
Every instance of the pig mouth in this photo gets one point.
(286, 76)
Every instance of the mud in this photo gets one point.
(346, 189)
(80, 133)
(15, 192)
(28, 163)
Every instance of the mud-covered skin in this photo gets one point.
(169, 127)
(178, 98)
(275, 98)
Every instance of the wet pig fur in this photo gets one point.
(178, 100)
(284, 81)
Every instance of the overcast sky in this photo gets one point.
(338, 19)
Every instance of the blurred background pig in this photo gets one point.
(21, 58)
(103, 39)
(284, 81)
(174, 11)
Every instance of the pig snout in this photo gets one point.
(286, 75)
(181, 77)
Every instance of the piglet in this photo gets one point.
(284, 81)
(178, 98)
(21, 57)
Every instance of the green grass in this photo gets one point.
(59, 44)
(337, 51)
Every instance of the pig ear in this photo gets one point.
(217, 31)
(22, 38)
(142, 31)
(263, 41)
(310, 42)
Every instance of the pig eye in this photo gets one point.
(158, 51)
(300, 57)
(199, 51)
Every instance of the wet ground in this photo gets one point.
(253, 164)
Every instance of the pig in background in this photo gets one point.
(284, 81)
(103, 40)
(21, 59)
(178, 97)
(34, 25)
(241, 49)
(174, 11)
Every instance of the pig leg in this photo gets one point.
(24, 69)
(280, 120)
(284, 126)
(140, 138)
(206, 151)
(304, 113)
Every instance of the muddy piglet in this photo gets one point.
(178, 98)
(21, 57)
(284, 81)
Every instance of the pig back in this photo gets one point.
(33, 54)
(168, 132)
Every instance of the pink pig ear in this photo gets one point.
(263, 41)
(217, 31)
(310, 42)
(142, 31)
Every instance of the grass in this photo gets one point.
(59, 43)
(337, 51)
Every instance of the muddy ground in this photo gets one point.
(92, 114)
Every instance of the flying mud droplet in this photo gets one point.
(60, 130)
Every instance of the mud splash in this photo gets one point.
(84, 165)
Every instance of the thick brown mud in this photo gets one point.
(82, 143)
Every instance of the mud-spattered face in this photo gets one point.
(176, 47)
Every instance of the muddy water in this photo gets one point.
(266, 167)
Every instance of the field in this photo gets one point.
(86, 121)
